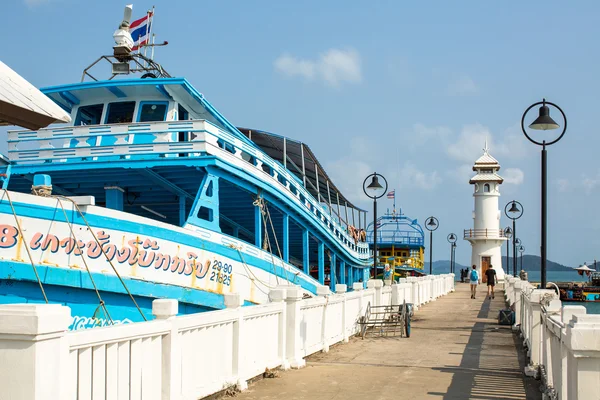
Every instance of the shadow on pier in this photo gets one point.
(492, 362)
(456, 350)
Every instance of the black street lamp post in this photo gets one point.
(454, 258)
(375, 191)
(515, 212)
(507, 234)
(452, 240)
(521, 250)
(543, 123)
(431, 225)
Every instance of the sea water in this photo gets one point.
(566, 276)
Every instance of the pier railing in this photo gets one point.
(185, 357)
(160, 140)
(562, 341)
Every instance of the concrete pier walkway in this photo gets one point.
(456, 350)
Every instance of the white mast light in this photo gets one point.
(122, 36)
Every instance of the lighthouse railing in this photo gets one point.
(483, 233)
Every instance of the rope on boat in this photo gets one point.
(259, 202)
(103, 252)
(102, 304)
(249, 271)
(37, 276)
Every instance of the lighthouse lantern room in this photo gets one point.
(486, 237)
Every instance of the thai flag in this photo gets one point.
(391, 194)
(140, 30)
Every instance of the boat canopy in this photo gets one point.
(300, 160)
(23, 105)
(397, 229)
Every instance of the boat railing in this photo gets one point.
(159, 140)
(401, 238)
(484, 233)
(413, 262)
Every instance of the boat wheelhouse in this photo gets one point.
(152, 193)
(400, 246)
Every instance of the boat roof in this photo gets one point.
(24, 105)
(290, 151)
(397, 229)
(70, 95)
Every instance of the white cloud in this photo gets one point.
(469, 145)
(347, 173)
(462, 174)
(333, 67)
(464, 85)
(513, 176)
(291, 66)
(422, 134)
(589, 184)
(563, 185)
(411, 176)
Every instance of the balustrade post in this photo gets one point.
(34, 352)
(167, 309)
(376, 284)
(278, 295)
(234, 301)
(538, 298)
(583, 342)
(517, 303)
(293, 339)
(341, 290)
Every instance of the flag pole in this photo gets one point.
(151, 23)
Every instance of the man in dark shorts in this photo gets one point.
(490, 274)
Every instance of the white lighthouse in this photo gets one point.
(486, 237)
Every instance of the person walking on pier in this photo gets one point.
(490, 274)
(474, 281)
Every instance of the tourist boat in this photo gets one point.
(152, 193)
(586, 291)
(400, 246)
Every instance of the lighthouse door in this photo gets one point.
(485, 264)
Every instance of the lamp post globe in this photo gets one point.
(452, 240)
(513, 210)
(374, 190)
(544, 122)
(431, 225)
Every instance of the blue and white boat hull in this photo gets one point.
(155, 260)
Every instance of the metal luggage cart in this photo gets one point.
(388, 320)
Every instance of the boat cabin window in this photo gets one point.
(89, 115)
(121, 112)
(152, 112)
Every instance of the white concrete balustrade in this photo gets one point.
(185, 357)
(563, 341)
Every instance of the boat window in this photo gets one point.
(89, 115)
(151, 112)
(121, 112)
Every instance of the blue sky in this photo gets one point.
(409, 89)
